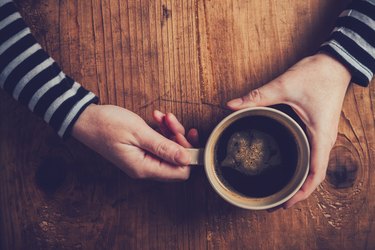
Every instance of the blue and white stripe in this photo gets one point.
(23, 63)
(352, 42)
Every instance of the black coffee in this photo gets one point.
(272, 179)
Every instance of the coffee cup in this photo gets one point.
(255, 158)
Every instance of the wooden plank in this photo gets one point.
(186, 57)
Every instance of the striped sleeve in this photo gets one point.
(33, 78)
(352, 41)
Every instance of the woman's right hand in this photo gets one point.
(171, 128)
(125, 139)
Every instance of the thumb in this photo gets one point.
(266, 95)
(164, 148)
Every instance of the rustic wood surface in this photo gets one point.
(188, 57)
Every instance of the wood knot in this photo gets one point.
(342, 176)
(342, 168)
(167, 13)
(51, 174)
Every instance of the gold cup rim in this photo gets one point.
(282, 195)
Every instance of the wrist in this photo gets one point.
(334, 68)
(83, 121)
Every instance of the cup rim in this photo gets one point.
(235, 198)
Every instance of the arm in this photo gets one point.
(352, 42)
(34, 79)
(315, 87)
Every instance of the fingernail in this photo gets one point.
(235, 103)
(171, 115)
(158, 112)
(194, 131)
(182, 157)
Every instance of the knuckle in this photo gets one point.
(283, 88)
(254, 95)
(162, 148)
(137, 135)
(280, 81)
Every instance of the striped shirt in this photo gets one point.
(352, 41)
(33, 78)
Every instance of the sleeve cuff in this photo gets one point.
(352, 42)
(71, 117)
(34, 79)
(3, 2)
(360, 75)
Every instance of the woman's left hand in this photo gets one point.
(315, 88)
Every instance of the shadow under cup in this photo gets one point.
(271, 187)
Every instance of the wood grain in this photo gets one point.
(187, 57)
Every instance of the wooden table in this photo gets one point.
(188, 57)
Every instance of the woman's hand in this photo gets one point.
(315, 88)
(126, 140)
(171, 128)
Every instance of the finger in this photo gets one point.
(173, 124)
(164, 148)
(311, 183)
(141, 164)
(266, 95)
(320, 150)
(168, 123)
(193, 137)
(180, 139)
(159, 118)
(163, 171)
(274, 209)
